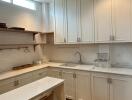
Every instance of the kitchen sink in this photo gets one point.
(69, 65)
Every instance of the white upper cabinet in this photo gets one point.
(87, 21)
(59, 13)
(72, 25)
(122, 19)
(103, 20)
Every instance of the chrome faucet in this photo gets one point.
(80, 57)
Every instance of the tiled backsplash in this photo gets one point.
(120, 54)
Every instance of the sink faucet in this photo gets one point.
(80, 57)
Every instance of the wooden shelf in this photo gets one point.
(45, 33)
(22, 31)
(17, 44)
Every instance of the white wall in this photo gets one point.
(16, 16)
(21, 17)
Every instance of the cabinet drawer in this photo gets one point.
(55, 72)
(6, 85)
(39, 74)
(23, 79)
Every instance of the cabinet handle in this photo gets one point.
(16, 83)
(109, 80)
(74, 75)
(78, 39)
(60, 73)
(112, 38)
(65, 40)
(40, 74)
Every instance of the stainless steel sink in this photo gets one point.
(69, 65)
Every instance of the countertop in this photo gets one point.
(28, 91)
(91, 68)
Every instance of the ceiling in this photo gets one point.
(44, 1)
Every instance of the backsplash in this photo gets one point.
(120, 54)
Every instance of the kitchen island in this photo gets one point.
(38, 90)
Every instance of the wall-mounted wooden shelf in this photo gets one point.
(21, 31)
(46, 33)
(24, 31)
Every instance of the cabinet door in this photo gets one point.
(103, 21)
(83, 86)
(122, 19)
(121, 88)
(38, 74)
(56, 73)
(87, 21)
(72, 25)
(69, 85)
(59, 21)
(100, 87)
(23, 79)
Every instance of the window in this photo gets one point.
(9, 1)
(25, 3)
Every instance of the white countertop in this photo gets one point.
(92, 68)
(31, 90)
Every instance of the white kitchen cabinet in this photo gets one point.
(111, 87)
(6, 85)
(100, 87)
(121, 20)
(87, 21)
(38, 74)
(59, 16)
(83, 85)
(22, 79)
(69, 84)
(120, 88)
(55, 72)
(103, 20)
(72, 17)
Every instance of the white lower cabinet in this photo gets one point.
(111, 87)
(121, 88)
(83, 86)
(69, 84)
(20, 80)
(38, 74)
(100, 87)
(77, 84)
(55, 72)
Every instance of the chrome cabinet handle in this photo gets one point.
(78, 39)
(16, 83)
(109, 80)
(112, 38)
(65, 40)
